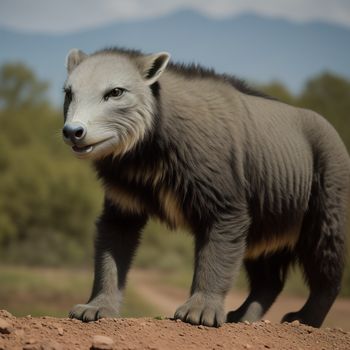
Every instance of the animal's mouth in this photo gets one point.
(86, 149)
(82, 149)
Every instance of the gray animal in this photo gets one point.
(257, 182)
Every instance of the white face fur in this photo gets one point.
(111, 101)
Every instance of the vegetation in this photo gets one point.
(49, 200)
(39, 291)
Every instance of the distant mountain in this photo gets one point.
(253, 47)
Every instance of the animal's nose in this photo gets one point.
(74, 131)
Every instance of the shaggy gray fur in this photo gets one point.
(257, 182)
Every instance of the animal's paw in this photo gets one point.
(290, 317)
(302, 318)
(251, 312)
(307, 318)
(90, 312)
(202, 309)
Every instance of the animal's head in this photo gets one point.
(109, 104)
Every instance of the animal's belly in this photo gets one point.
(269, 243)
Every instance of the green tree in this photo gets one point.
(19, 87)
(48, 199)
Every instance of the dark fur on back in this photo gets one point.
(191, 71)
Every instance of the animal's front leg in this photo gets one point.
(218, 256)
(116, 242)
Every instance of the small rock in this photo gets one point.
(74, 320)
(201, 326)
(60, 330)
(31, 347)
(267, 321)
(5, 327)
(5, 314)
(248, 346)
(341, 330)
(30, 341)
(246, 322)
(50, 345)
(295, 323)
(20, 333)
(178, 320)
(101, 342)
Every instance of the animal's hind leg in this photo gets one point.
(321, 251)
(266, 277)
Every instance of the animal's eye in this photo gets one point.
(116, 92)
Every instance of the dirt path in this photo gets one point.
(47, 333)
(166, 299)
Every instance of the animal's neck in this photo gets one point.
(145, 158)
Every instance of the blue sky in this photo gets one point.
(64, 16)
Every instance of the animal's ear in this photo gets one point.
(152, 66)
(74, 58)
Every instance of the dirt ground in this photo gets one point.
(48, 333)
(167, 298)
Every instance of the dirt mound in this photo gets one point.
(48, 333)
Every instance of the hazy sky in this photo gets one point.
(59, 16)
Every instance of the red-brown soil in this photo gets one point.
(166, 299)
(48, 333)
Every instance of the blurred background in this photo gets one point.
(295, 50)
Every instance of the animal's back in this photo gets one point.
(278, 150)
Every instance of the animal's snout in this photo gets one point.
(74, 132)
